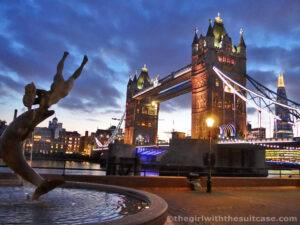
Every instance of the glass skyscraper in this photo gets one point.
(283, 128)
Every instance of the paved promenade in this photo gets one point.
(225, 204)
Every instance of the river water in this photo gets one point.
(80, 168)
(87, 168)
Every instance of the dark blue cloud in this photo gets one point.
(121, 36)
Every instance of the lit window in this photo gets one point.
(232, 61)
(217, 82)
(228, 60)
(144, 110)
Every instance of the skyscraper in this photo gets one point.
(283, 128)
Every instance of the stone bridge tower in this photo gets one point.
(141, 115)
(209, 96)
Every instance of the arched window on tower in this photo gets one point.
(216, 101)
(217, 82)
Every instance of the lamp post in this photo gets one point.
(209, 123)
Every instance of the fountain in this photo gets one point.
(69, 202)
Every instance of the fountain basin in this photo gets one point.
(83, 203)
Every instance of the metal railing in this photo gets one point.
(178, 170)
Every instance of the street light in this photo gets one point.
(209, 123)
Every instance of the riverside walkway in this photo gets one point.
(227, 204)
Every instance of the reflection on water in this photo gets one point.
(84, 168)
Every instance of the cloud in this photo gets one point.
(7, 84)
(121, 36)
(91, 93)
(284, 59)
(179, 103)
(251, 111)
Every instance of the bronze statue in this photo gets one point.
(11, 141)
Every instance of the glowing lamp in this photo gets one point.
(210, 122)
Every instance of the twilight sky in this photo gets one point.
(119, 37)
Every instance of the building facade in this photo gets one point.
(141, 120)
(210, 98)
(53, 140)
(72, 142)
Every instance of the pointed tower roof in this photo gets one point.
(218, 29)
(242, 42)
(210, 32)
(195, 41)
(135, 79)
(280, 80)
(144, 80)
(130, 80)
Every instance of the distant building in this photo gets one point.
(56, 128)
(282, 128)
(104, 135)
(2, 126)
(52, 140)
(259, 132)
(43, 142)
(72, 141)
(178, 135)
(86, 143)
(291, 155)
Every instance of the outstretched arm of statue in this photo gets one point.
(77, 73)
(60, 67)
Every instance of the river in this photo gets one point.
(87, 168)
(83, 168)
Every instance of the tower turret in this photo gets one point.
(129, 81)
(130, 88)
(241, 49)
(144, 80)
(218, 31)
(195, 45)
(209, 39)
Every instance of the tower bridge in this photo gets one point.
(208, 94)
(217, 79)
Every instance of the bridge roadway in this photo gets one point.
(172, 79)
(267, 143)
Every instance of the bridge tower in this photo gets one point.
(141, 115)
(209, 96)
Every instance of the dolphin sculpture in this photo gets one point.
(11, 141)
(11, 146)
